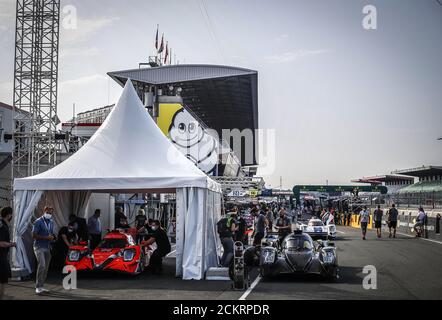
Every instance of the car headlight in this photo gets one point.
(74, 255)
(269, 256)
(128, 255)
(328, 257)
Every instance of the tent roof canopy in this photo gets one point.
(127, 153)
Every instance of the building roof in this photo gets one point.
(5, 106)
(222, 97)
(179, 73)
(9, 107)
(384, 178)
(423, 171)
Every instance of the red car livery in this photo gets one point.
(116, 252)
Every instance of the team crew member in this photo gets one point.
(261, 223)
(66, 238)
(94, 228)
(80, 227)
(120, 218)
(240, 234)
(269, 217)
(140, 225)
(378, 213)
(5, 245)
(392, 220)
(226, 228)
(161, 239)
(43, 234)
(283, 225)
(364, 218)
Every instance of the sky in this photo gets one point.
(345, 102)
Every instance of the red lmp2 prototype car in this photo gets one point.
(117, 252)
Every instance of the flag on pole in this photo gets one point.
(156, 38)
(166, 56)
(161, 48)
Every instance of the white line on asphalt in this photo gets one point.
(172, 252)
(410, 236)
(340, 231)
(244, 296)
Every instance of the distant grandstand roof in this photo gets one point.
(383, 178)
(423, 171)
(179, 73)
(222, 97)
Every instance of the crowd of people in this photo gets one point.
(254, 220)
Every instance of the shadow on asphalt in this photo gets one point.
(347, 275)
(107, 281)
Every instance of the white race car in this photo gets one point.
(317, 230)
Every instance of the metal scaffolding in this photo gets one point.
(35, 86)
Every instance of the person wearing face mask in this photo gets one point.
(5, 245)
(67, 236)
(43, 234)
(161, 239)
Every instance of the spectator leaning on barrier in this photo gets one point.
(392, 220)
(378, 213)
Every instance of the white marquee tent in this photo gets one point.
(128, 154)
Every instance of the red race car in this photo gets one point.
(116, 252)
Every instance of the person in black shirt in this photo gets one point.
(119, 217)
(140, 225)
(5, 245)
(80, 227)
(161, 239)
(66, 238)
(240, 234)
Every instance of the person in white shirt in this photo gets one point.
(364, 219)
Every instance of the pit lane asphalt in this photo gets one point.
(407, 268)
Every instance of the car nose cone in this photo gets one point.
(298, 259)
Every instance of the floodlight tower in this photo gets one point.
(35, 86)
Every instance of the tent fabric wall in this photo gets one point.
(197, 243)
(25, 203)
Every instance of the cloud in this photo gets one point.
(282, 37)
(7, 15)
(86, 29)
(6, 89)
(79, 52)
(72, 85)
(291, 56)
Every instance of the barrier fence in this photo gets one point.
(405, 223)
